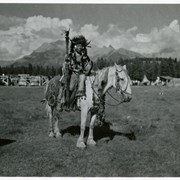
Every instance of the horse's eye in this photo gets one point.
(122, 79)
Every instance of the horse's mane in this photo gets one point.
(103, 69)
(101, 76)
(103, 73)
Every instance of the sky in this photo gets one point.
(143, 28)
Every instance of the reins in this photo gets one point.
(119, 102)
(99, 97)
(117, 88)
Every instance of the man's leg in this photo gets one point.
(81, 87)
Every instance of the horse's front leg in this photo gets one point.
(56, 128)
(56, 117)
(84, 112)
(90, 140)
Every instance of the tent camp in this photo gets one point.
(145, 81)
(165, 80)
(175, 82)
(170, 81)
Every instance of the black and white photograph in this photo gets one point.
(89, 90)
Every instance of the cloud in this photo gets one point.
(174, 25)
(38, 23)
(142, 38)
(164, 41)
(7, 22)
(22, 38)
(90, 31)
(112, 36)
(25, 35)
(133, 29)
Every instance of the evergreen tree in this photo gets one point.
(47, 71)
(30, 68)
(164, 68)
(101, 63)
(52, 71)
(177, 67)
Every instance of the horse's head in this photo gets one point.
(122, 82)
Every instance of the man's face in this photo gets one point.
(79, 48)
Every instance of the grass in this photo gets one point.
(144, 140)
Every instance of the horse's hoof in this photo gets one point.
(58, 135)
(80, 145)
(91, 142)
(51, 134)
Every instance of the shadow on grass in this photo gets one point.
(4, 142)
(99, 132)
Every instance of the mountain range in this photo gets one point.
(6, 63)
(52, 54)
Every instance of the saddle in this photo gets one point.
(55, 93)
(52, 90)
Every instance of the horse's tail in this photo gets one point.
(45, 92)
(46, 87)
(48, 108)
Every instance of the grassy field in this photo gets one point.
(144, 140)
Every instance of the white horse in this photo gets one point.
(115, 76)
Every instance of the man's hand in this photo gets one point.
(67, 58)
(78, 70)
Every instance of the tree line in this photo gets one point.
(31, 70)
(137, 68)
(151, 67)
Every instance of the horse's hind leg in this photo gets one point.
(55, 122)
(90, 140)
(50, 116)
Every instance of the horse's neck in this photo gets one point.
(109, 83)
(92, 82)
(104, 79)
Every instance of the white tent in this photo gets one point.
(145, 81)
(175, 82)
(170, 81)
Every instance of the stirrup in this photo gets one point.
(80, 94)
(59, 106)
(78, 102)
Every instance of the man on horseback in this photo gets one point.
(77, 64)
(81, 62)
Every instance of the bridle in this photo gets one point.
(118, 88)
(118, 79)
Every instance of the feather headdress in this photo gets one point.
(80, 40)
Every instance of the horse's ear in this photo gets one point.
(105, 78)
(116, 66)
(87, 43)
(124, 67)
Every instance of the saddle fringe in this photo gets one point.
(43, 101)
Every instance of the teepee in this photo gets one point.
(145, 81)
